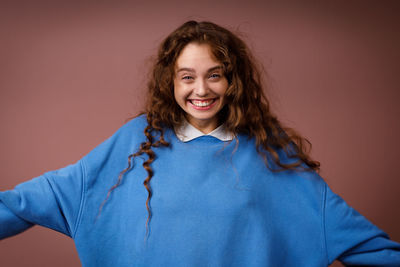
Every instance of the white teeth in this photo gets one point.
(198, 103)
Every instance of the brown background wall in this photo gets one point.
(72, 72)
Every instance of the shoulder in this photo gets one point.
(122, 143)
(307, 183)
(136, 124)
(131, 131)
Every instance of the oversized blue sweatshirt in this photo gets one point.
(214, 203)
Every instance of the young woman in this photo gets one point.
(207, 176)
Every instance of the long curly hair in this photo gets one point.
(246, 111)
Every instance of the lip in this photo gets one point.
(214, 101)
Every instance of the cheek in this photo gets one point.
(221, 90)
(181, 91)
(176, 90)
(179, 94)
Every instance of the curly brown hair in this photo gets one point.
(246, 111)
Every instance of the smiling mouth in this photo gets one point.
(202, 103)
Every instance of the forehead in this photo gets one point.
(196, 55)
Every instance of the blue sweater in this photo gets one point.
(214, 204)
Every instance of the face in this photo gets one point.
(199, 86)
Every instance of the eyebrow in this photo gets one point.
(193, 70)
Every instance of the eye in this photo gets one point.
(215, 76)
(187, 77)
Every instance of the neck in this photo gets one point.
(205, 126)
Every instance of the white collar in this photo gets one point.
(188, 132)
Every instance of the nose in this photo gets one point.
(201, 88)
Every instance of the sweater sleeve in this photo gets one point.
(352, 239)
(52, 200)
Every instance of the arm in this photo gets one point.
(10, 224)
(55, 199)
(52, 200)
(354, 240)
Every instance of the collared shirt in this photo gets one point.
(188, 132)
(245, 210)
